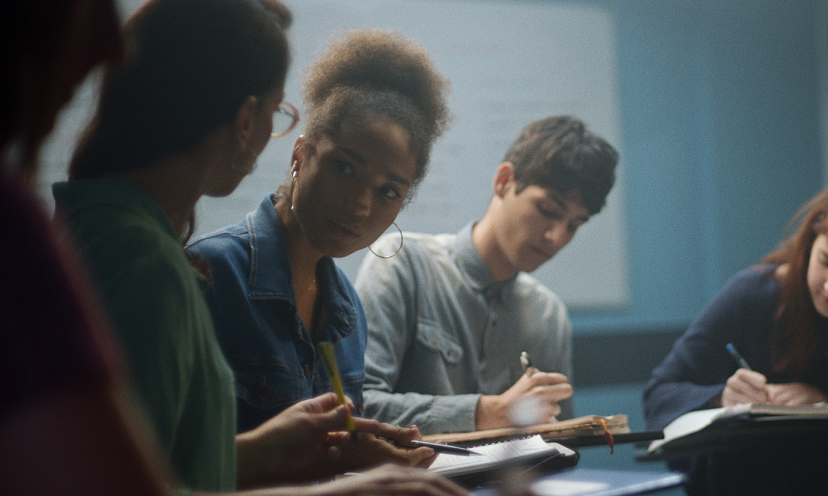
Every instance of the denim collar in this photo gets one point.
(269, 276)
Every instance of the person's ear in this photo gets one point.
(245, 120)
(296, 156)
(504, 179)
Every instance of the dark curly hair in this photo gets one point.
(368, 74)
(559, 153)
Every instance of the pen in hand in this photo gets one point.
(525, 411)
(333, 371)
(738, 357)
(743, 364)
(440, 448)
(528, 369)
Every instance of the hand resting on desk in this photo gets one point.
(370, 451)
(308, 441)
(545, 389)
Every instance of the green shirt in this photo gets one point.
(156, 303)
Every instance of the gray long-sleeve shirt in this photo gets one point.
(442, 332)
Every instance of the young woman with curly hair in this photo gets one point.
(375, 103)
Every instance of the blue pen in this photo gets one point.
(742, 363)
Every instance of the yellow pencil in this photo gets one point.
(333, 371)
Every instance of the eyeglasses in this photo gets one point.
(284, 120)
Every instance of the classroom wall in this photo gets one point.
(723, 117)
(720, 116)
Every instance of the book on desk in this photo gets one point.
(704, 429)
(588, 430)
(522, 448)
(521, 455)
(564, 436)
(587, 426)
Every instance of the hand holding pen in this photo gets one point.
(308, 441)
(543, 390)
(385, 443)
(528, 369)
(295, 441)
(745, 385)
(792, 393)
(440, 448)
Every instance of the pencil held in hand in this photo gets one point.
(329, 358)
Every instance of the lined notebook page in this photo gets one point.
(492, 453)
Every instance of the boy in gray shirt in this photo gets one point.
(449, 315)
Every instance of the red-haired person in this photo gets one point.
(776, 315)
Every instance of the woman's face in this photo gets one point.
(350, 187)
(818, 274)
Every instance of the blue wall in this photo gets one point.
(720, 115)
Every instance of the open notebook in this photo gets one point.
(516, 455)
(697, 422)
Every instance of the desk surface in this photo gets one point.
(628, 437)
(599, 482)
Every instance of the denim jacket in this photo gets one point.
(274, 359)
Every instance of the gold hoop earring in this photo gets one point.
(398, 248)
(294, 173)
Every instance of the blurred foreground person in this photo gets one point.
(66, 418)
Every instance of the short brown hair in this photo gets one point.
(559, 153)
